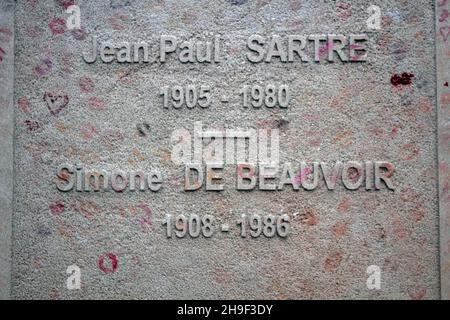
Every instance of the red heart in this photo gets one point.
(55, 102)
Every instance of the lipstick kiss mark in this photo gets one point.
(57, 26)
(112, 259)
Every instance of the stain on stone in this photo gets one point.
(344, 205)
(23, 104)
(410, 151)
(143, 129)
(86, 84)
(146, 218)
(339, 229)
(403, 79)
(238, 2)
(117, 4)
(57, 208)
(32, 125)
(44, 231)
(79, 34)
(418, 295)
(333, 261)
(44, 68)
(57, 26)
(418, 213)
(2, 54)
(308, 217)
(96, 103)
(282, 124)
(65, 3)
(381, 232)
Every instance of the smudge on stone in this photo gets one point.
(96, 103)
(339, 229)
(308, 217)
(146, 218)
(65, 3)
(57, 208)
(57, 26)
(418, 213)
(238, 2)
(333, 261)
(24, 105)
(44, 68)
(79, 34)
(303, 175)
(32, 125)
(418, 294)
(86, 84)
(143, 129)
(344, 205)
(410, 151)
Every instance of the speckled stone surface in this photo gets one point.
(339, 111)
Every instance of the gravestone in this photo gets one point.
(224, 149)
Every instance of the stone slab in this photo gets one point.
(110, 116)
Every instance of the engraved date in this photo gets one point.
(269, 96)
(189, 96)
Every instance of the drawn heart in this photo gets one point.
(445, 32)
(56, 102)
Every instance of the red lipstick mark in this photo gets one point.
(113, 261)
(403, 79)
(146, 219)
